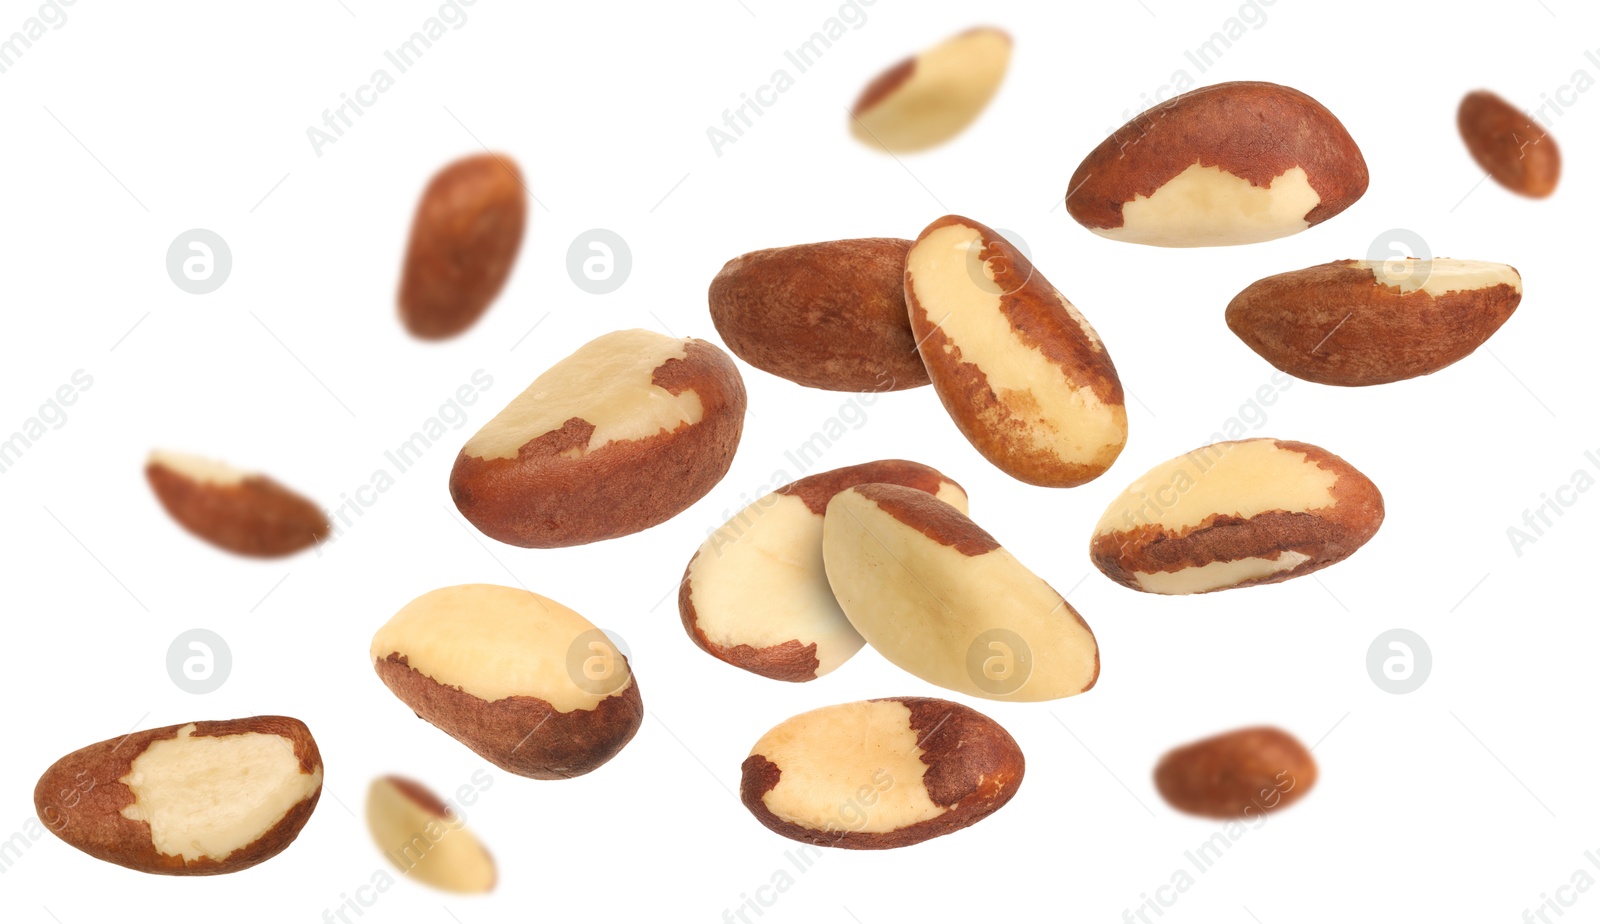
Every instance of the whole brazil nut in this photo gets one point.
(1365, 322)
(1235, 514)
(1509, 145)
(620, 436)
(424, 838)
(1021, 372)
(881, 773)
(464, 240)
(198, 799)
(239, 511)
(756, 593)
(928, 99)
(939, 597)
(1232, 163)
(1238, 774)
(529, 685)
(830, 315)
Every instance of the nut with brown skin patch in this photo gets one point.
(464, 241)
(926, 100)
(1237, 774)
(1518, 152)
(940, 598)
(1023, 375)
(242, 512)
(424, 838)
(198, 799)
(528, 684)
(1236, 514)
(879, 774)
(1232, 163)
(622, 435)
(756, 593)
(830, 315)
(1362, 322)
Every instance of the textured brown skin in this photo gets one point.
(1030, 304)
(421, 796)
(565, 745)
(1237, 774)
(1328, 536)
(464, 241)
(792, 661)
(1334, 325)
(1517, 151)
(92, 821)
(974, 768)
(541, 500)
(830, 315)
(1252, 130)
(256, 517)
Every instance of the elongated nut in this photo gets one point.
(928, 99)
(422, 837)
(1518, 152)
(1023, 375)
(1237, 774)
(1235, 514)
(239, 511)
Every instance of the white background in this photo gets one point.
(1470, 798)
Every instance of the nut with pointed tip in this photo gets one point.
(1232, 163)
(239, 511)
(1237, 774)
(879, 774)
(1236, 514)
(756, 593)
(1365, 322)
(929, 99)
(198, 799)
(424, 838)
(1023, 375)
(622, 435)
(940, 598)
(1517, 151)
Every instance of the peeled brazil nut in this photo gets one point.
(421, 836)
(239, 511)
(756, 593)
(620, 436)
(1235, 514)
(881, 773)
(928, 99)
(1023, 375)
(829, 315)
(464, 241)
(528, 684)
(1238, 774)
(940, 598)
(1364, 322)
(1509, 145)
(187, 800)
(1232, 163)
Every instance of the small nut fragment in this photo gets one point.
(422, 837)
(528, 684)
(1236, 514)
(241, 512)
(464, 241)
(926, 100)
(1364, 322)
(1023, 375)
(1518, 152)
(756, 593)
(198, 799)
(829, 315)
(1237, 774)
(881, 773)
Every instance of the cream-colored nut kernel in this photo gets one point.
(199, 468)
(929, 99)
(1206, 206)
(879, 774)
(425, 839)
(1023, 375)
(522, 680)
(1235, 514)
(940, 598)
(756, 594)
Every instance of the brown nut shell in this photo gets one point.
(1237, 774)
(1509, 145)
